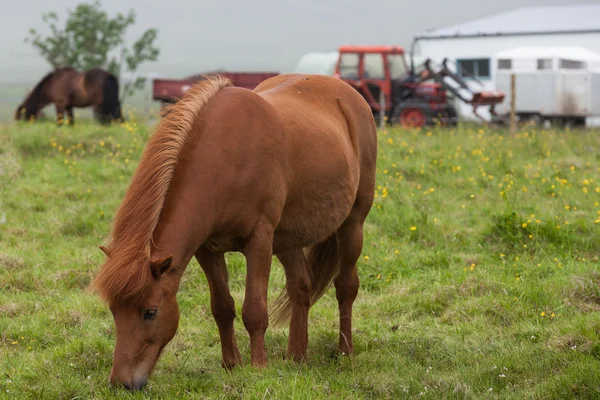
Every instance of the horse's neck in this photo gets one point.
(39, 100)
(178, 234)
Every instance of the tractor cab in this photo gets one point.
(371, 70)
(384, 79)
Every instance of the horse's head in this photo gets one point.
(145, 323)
(25, 111)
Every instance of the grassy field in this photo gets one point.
(479, 274)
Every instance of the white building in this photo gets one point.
(474, 45)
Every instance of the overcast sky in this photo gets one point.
(200, 35)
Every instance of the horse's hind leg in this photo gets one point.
(258, 251)
(70, 116)
(298, 281)
(221, 304)
(350, 237)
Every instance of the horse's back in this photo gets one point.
(319, 103)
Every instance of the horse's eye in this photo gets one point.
(150, 314)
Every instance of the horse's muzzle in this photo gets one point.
(136, 384)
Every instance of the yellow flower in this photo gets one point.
(542, 314)
(367, 258)
(413, 228)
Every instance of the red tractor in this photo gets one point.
(401, 93)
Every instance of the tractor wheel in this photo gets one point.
(410, 116)
(413, 118)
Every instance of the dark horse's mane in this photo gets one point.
(34, 95)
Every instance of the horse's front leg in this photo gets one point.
(221, 303)
(258, 251)
(60, 112)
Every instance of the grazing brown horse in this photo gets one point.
(286, 168)
(67, 88)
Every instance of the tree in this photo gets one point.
(90, 38)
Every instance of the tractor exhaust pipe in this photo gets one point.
(412, 55)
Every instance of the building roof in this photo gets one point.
(527, 21)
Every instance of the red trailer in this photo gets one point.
(170, 90)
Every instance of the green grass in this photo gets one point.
(479, 274)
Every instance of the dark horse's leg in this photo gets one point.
(298, 285)
(258, 251)
(70, 117)
(60, 112)
(347, 282)
(221, 304)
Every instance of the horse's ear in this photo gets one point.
(160, 267)
(104, 250)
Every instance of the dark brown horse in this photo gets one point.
(67, 88)
(287, 169)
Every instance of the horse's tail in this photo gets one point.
(324, 263)
(110, 108)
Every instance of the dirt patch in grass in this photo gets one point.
(11, 263)
(584, 292)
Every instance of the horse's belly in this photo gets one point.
(315, 213)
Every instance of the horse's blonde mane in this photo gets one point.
(126, 272)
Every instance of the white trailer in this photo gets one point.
(560, 85)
